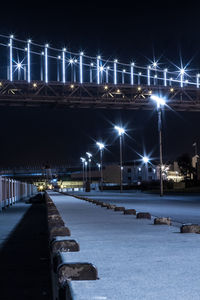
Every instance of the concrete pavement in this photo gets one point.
(135, 259)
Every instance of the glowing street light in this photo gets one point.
(160, 102)
(146, 160)
(83, 163)
(89, 164)
(99, 166)
(101, 147)
(121, 132)
(19, 67)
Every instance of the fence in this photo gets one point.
(12, 191)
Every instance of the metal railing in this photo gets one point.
(12, 191)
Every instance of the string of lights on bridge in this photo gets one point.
(84, 68)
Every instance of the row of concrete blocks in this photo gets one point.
(63, 272)
(185, 228)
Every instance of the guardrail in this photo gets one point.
(12, 191)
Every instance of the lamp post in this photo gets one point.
(83, 162)
(86, 163)
(89, 164)
(120, 131)
(146, 161)
(160, 102)
(101, 147)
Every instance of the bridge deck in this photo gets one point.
(91, 95)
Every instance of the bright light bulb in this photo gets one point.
(89, 154)
(100, 145)
(120, 130)
(159, 101)
(145, 159)
(19, 65)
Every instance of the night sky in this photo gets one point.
(139, 31)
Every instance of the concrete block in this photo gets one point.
(104, 204)
(119, 208)
(64, 246)
(162, 221)
(110, 206)
(130, 212)
(53, 211)
(76, 271)
(190, 228)
(143, 215)
(59, 231)
(99, 203)
(54, 217)
(55, 220)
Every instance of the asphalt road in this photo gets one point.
(181, 208)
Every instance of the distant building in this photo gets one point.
(172, 172)
(135, 173)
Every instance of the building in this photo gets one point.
(135, 173)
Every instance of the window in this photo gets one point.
(129, 170)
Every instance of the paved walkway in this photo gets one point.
(135, 259)
(181, 208)
(24, 258)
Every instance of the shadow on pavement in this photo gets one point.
(24, 259)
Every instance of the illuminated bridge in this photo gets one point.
(32, 75)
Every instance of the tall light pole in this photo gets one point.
(101, 147)
(86, 163)
(89, 164)
(160, 102)
(83, 163)
(121, 132)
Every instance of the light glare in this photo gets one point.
(120, 130)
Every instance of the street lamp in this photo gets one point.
(160, 102)
(19, 67)
(89, 164)
(120, 131)
(101, 147)
(86, 163)
(146, 161)
(83, 162)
